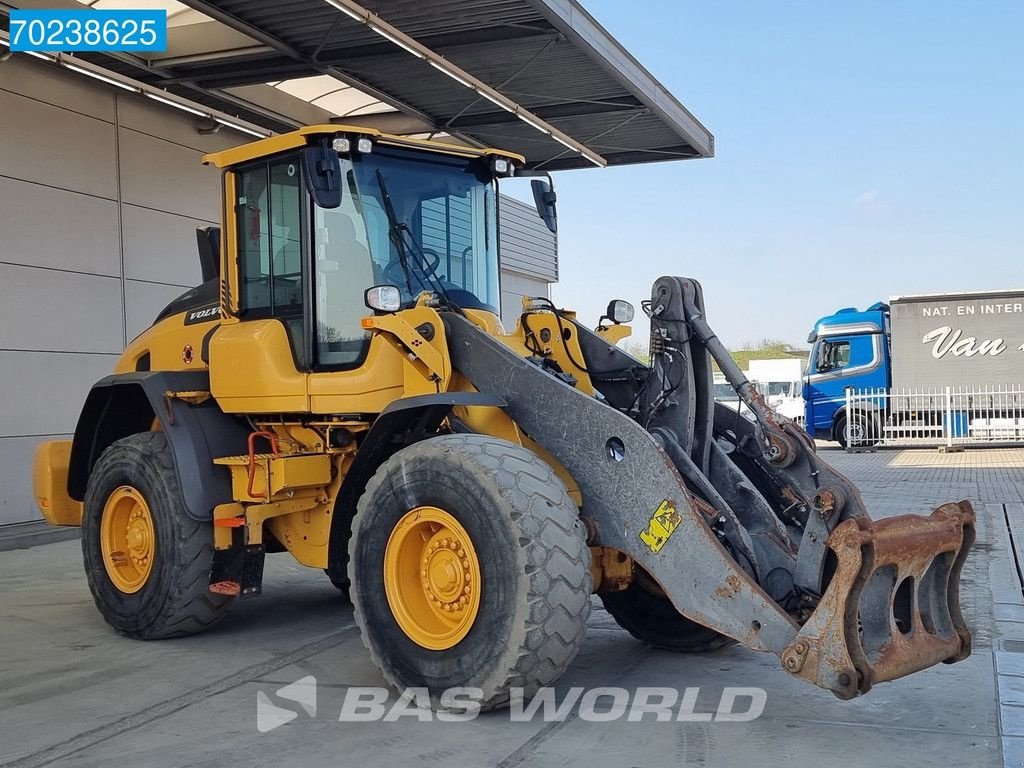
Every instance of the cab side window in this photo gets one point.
(268, 210)
(269, 213)
(446, 230)
(833, 355)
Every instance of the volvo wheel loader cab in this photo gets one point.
(341, 388)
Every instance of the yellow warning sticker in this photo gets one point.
(663, 522)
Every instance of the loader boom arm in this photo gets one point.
(635, 497)
(742, 526)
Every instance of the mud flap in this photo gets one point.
(238, 571)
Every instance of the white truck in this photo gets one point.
(783, 384)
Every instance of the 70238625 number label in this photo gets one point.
(88, 30)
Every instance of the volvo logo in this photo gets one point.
(202, 315)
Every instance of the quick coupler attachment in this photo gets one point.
(892, 607)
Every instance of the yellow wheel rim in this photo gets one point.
(127, 539)
(432, 578)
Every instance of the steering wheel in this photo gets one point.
(395, 275)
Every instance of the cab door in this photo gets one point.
(353, 371)
(259, 355)
(827, 381)
(838, 362)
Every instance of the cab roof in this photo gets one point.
(850, 320)
(303, 136)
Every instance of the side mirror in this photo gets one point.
(322, 171)
(544, 198)
(825, 362)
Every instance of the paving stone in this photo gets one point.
(1011, 719)
(1013, 752)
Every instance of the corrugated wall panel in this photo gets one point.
(80, 238)
(527, 246)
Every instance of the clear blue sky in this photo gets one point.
(864, 149)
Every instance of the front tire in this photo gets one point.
(469, 568)
(839, 431)
(146, 561)
(860, 430)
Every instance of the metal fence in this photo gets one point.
(939, 416)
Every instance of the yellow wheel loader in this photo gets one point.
(341, 387)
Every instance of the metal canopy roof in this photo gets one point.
(550, 56)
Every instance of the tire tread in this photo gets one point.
(189, 607)
(556, 554)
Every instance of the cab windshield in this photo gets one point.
(422, 222)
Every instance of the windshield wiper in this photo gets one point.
(397, 229)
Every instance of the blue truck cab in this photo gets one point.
(848, 349)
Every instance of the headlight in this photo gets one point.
(619, 311)
(383, 298)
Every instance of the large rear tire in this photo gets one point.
(469, 568)
(146, 561)
(650, 617)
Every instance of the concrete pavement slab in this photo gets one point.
(73, 692)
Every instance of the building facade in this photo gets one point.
(101, 192)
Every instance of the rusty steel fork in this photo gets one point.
(892, 607)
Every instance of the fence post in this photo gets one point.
(949, 418)
(849, 412)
